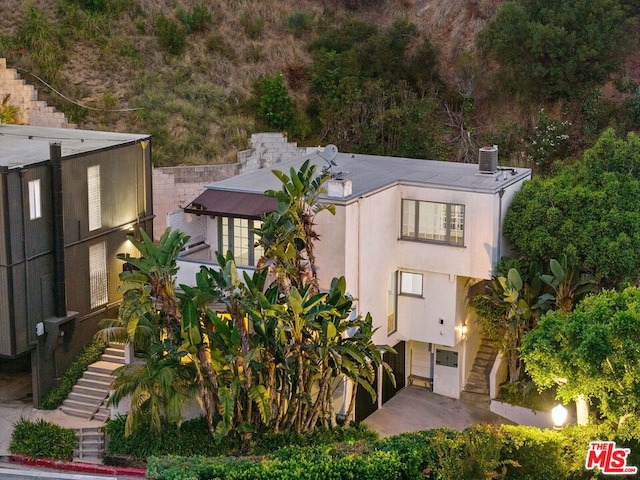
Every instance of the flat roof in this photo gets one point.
(369, 173)
(22, 145)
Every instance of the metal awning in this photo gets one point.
(231, 204)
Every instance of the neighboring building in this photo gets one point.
(68, 199)
(412, 237)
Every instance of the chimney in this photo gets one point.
(338, 188)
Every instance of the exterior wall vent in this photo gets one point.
(488, 159)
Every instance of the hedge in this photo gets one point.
(42, 439)
(481, 452)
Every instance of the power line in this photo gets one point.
(73, 101)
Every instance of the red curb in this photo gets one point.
(78, 466)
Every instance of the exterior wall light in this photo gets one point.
(463, 330)
(559, 416)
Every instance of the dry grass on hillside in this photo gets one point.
(114, 70)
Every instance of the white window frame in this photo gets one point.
(35, 200)
(98, 276)
(411, 284)
(447, 222)
(392, 304)
(94, 200)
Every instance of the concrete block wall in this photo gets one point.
(176, 187)
(31, 111)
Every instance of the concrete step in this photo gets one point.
(99, 378)
(79, 398)
(102, 415)
(115, 350)
(113, 359)
(478, 399)
(75, 412)
(477, 388)
(88, 388)
(103, 367)
(87, 407)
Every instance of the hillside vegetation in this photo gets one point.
(421, 78)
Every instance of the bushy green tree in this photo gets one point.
(274, 103)
(554, 49)
(589, 211)
(593, 351)
(374, 91)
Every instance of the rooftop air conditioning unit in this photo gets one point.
(488, 159)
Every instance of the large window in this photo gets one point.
(35, 205)
(237, 235)
(93, 199)
(433, 222)
(99, 293)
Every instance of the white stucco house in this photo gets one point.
(410, 236)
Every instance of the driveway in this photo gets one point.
(416, 408)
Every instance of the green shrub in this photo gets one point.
(307, 464)
(274, 103)
(193, 438)
(536, 453)
(416, 451)
(299, 22)
(253, 26)
(172, 36)
(41, 439)
(197, 20)
(90, 354)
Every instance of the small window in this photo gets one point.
(35, 205)
(392, 324)
(411, 284)
(447, 358)
(99, 293)
(94, 200)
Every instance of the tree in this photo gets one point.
(553, 49)
(375, 91)
(589, 212)
(272, 358)
(593, 351)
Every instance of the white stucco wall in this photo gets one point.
(475, 258)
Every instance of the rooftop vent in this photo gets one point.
(488, 159)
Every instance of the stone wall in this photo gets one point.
(31, 111)
(176, 187)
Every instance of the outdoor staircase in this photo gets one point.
(476, 390)
(91, 445)
(89, 396)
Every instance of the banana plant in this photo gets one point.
(522, 303)
(568, 284)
